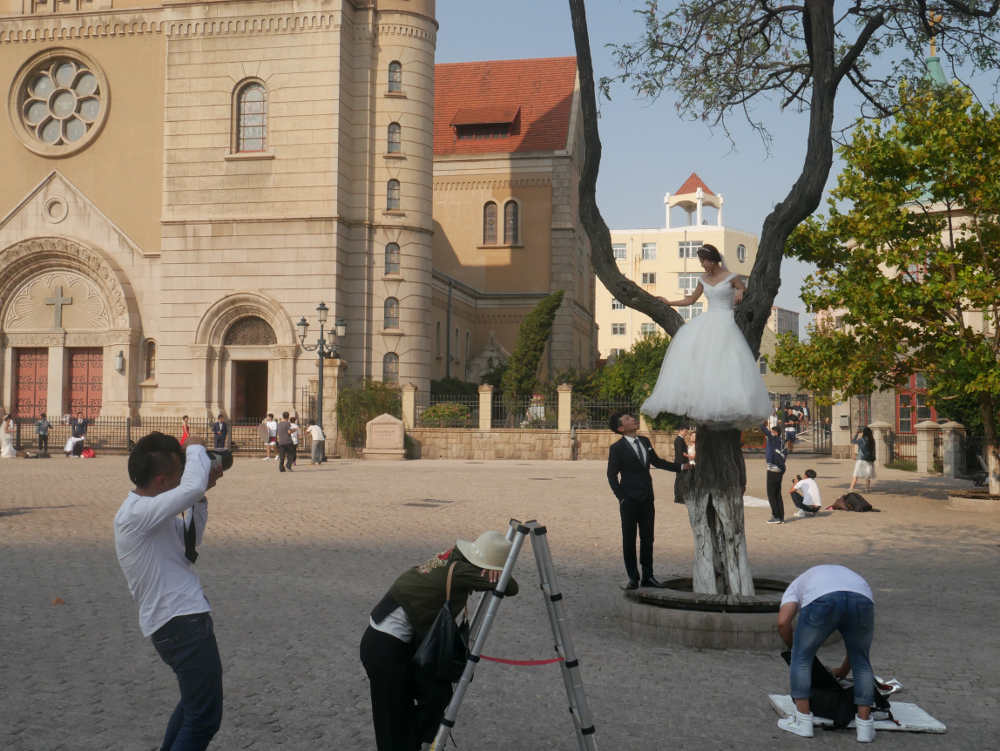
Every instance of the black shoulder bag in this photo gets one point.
(443, 652)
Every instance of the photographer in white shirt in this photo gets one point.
(155, 547)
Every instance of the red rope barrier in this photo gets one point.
(522, 663)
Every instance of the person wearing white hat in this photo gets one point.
(398, 624)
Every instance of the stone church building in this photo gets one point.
(183, 181)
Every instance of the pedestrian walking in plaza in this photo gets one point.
(791, 430)
(774, 457)
(286, 449)
(42, 430)
(406, 711)
(185, 430)
(629, 460)
(268, 432)
(7, 429)
(864, 467)
(831, 598)
(293, 433)
(806, 496)
(77, 435)
(318, 449)
(156, 552)
(220, 430)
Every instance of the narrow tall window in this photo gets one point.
(490, 223)
(150, 360)
(468, 346)
(395, 138)
(392, 258)
(741, 253)
(390, 368)
(251, 118)
(392, 195)
(390, 319)
(510, 223)
(437, 338)
(395, 76)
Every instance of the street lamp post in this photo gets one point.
(322, 348)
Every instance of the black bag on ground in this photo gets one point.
(444, 650)
(852, 502)
(831, 700)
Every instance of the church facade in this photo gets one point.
(183, 182)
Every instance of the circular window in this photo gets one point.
(58, 102)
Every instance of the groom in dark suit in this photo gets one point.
(628, 474)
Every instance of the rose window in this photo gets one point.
(61, 101)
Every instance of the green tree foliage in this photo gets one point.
(450, 386)
(521, 374)
(633, 373)
(446, 415)
(356, 406)
(911, 265)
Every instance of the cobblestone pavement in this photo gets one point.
(293, 563)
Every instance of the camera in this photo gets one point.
(221, 459)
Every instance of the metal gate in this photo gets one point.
(815, 430)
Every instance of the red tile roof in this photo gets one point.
(495, 115)
(692, 184)
(542, 88)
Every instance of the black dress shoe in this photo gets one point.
(630, 584)
(652, 581)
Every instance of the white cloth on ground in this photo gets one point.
(709, 373)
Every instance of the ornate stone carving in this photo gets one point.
(31, 306)
(250, 330)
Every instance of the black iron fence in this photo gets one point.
(539, 412)
(447, 410)
(119, 434)
(593, 414)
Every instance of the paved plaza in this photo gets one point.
(293, 563)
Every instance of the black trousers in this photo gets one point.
(774, 494)
(798, 498)
(405, 712)
(286, 456)
(637, 516)
(43, 443)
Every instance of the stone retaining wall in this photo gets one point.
(500, 443)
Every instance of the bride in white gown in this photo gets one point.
(7, 438)
(709, 373)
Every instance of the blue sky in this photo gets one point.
(647, 149)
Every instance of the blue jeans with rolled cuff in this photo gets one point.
(853, 615)
(187, 644)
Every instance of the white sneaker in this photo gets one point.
(798, 723)
(865, 729)
(267, 459)
(800, 514)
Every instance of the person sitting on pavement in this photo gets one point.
(805, 495)
(404, 711)
(831, 597)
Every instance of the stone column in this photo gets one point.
(565, 420)
(409, 406)
(881, 432)
(951, 449)
(115, 395)
(200, 379)
(57, 378)
(644, 426)
(926, 431)
(283, 385)
(485, 407)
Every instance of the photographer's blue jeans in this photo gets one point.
(853, 615)
(187, 644)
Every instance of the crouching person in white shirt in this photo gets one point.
(156, 550)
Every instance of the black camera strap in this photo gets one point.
(190, 537)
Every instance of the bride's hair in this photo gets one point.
(710, 253)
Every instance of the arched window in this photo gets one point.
(392, 258)
(150, 356)
(510, 223)
(392, 195)
(251, 117)
(390, 368)
(394, 138)
(390, 317)
(490, 223)
(395, 76)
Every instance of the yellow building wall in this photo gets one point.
(127, 152)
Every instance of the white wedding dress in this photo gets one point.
(709, 373)
(7, 442)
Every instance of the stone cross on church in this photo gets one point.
(58, 301)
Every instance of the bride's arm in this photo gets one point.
(740, 288)
(687, 300)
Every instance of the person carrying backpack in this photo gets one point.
(831, 598)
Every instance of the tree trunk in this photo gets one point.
(715, 509)
(991, 446)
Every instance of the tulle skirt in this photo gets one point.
(864, 470)
(710, 375)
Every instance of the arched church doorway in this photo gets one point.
(249, 387)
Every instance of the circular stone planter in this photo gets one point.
(676, 615)
(974, 500)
